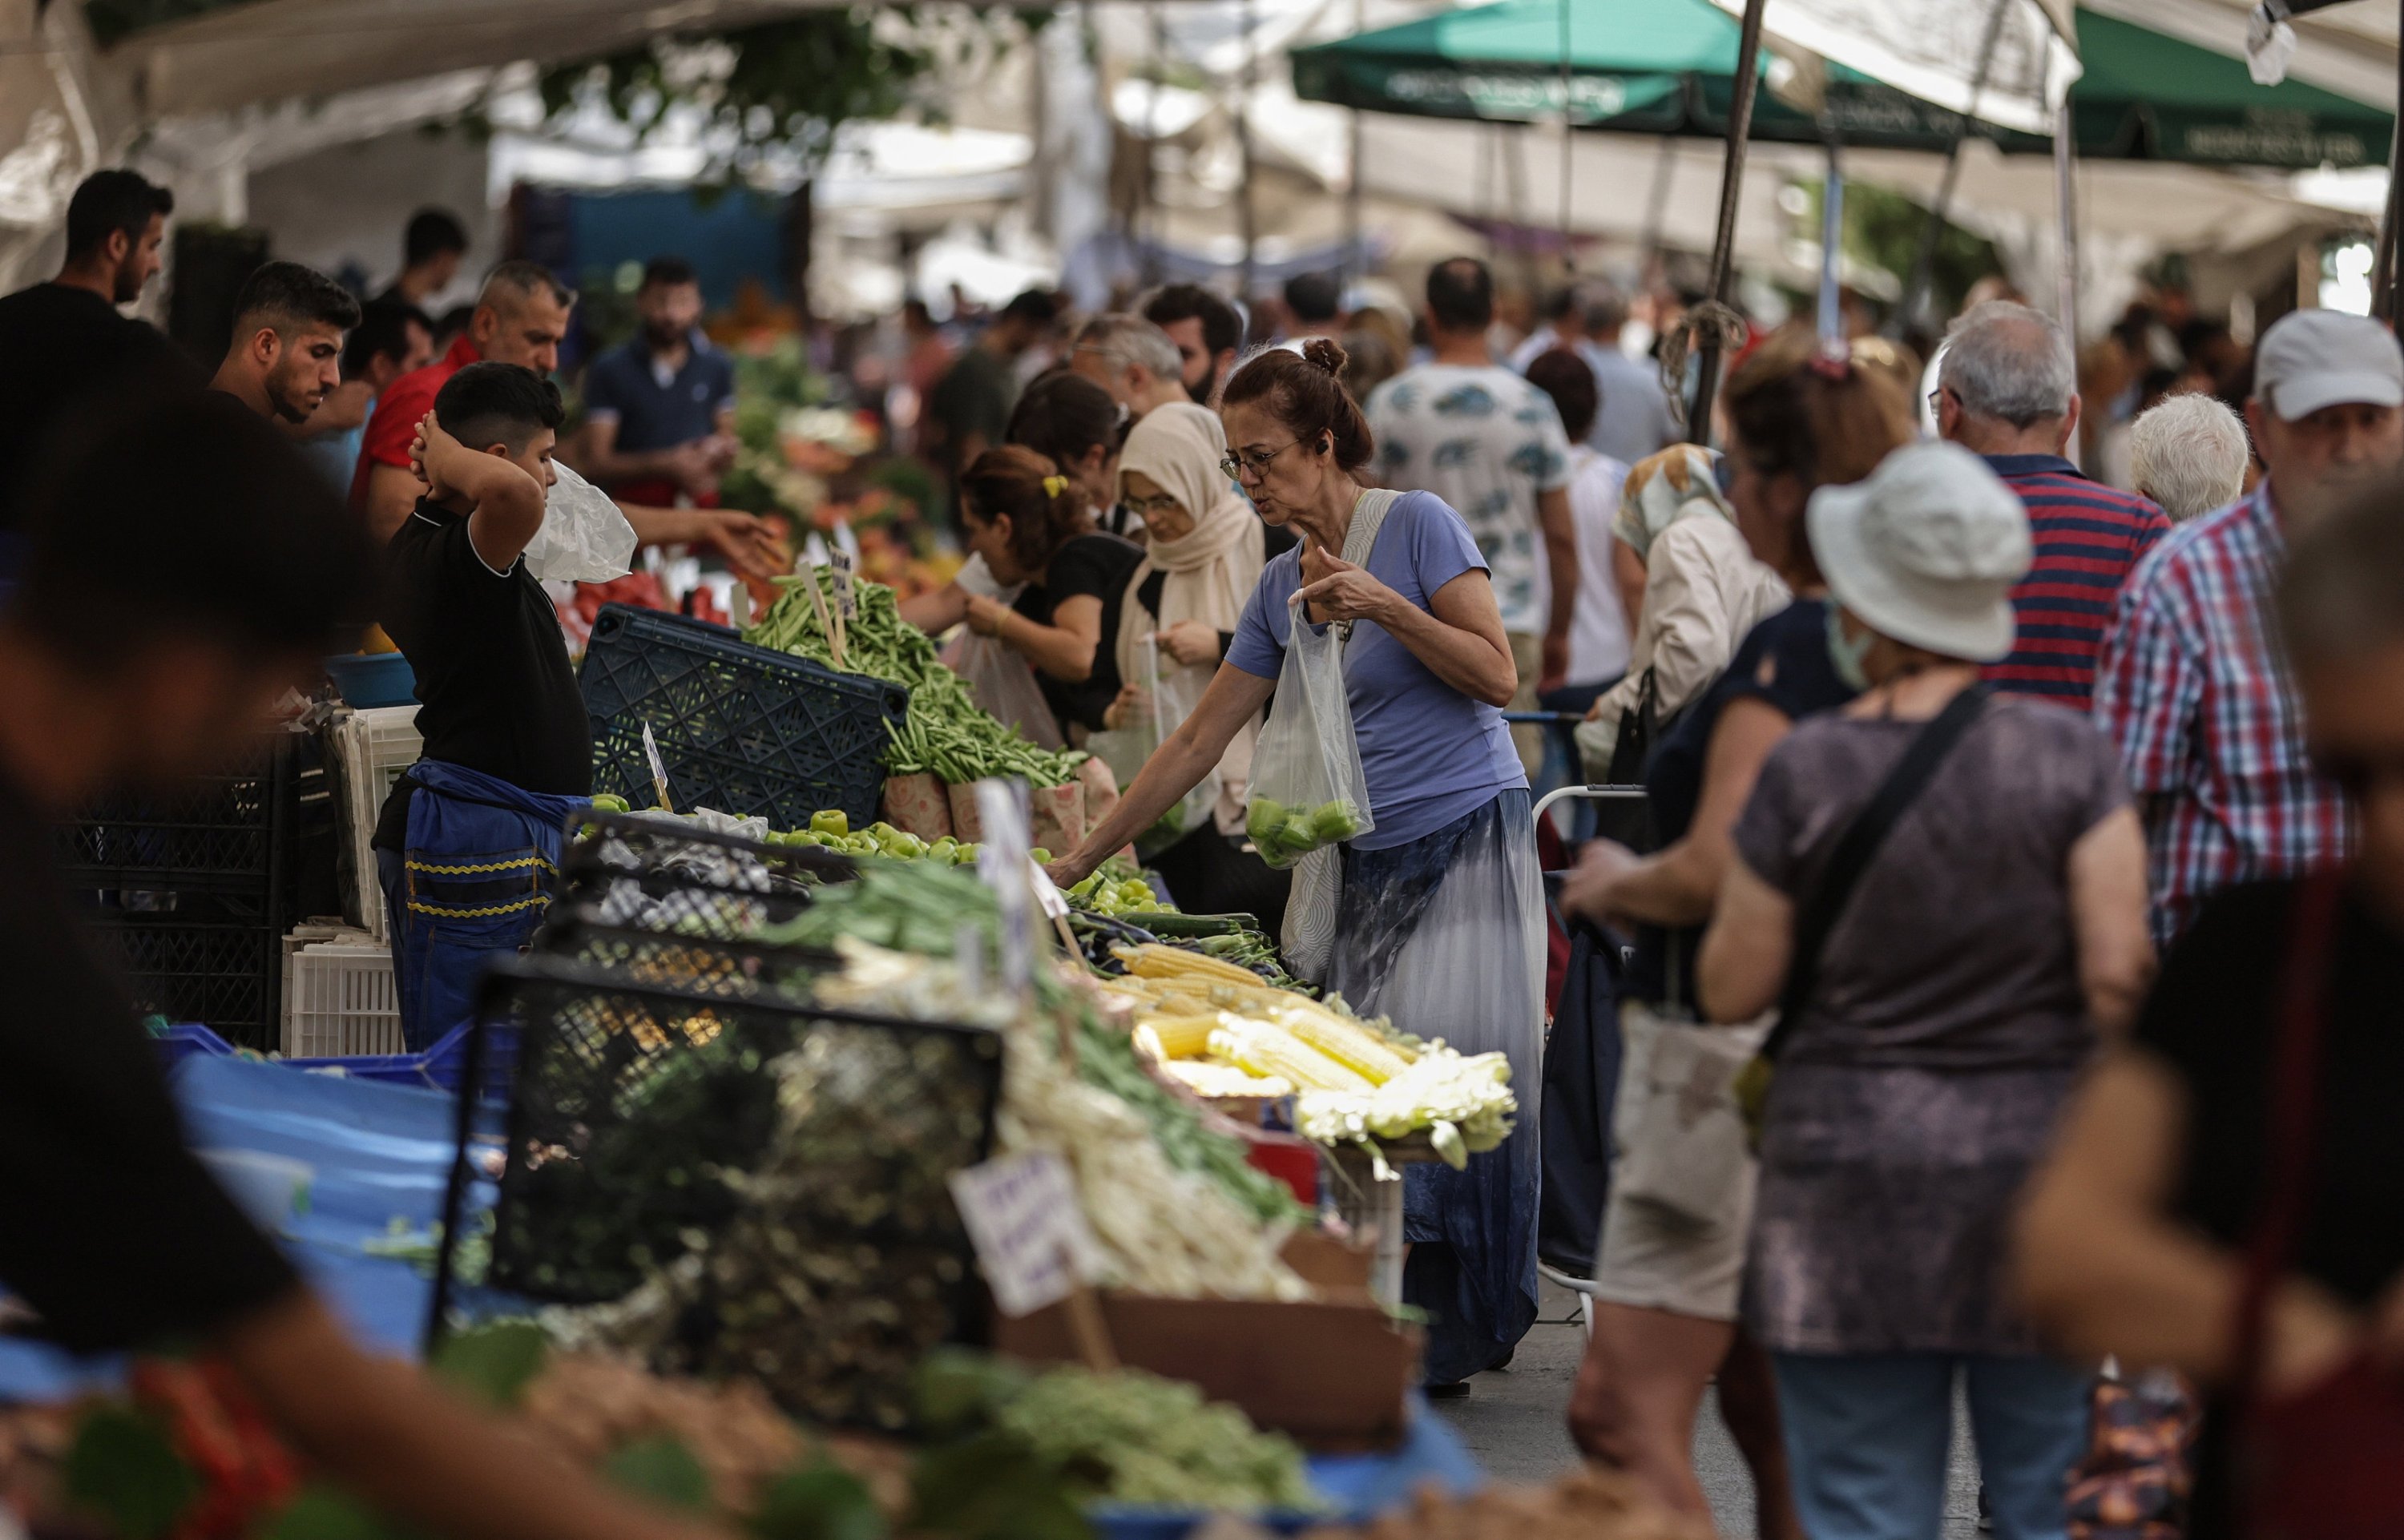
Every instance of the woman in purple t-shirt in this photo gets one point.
(1440, 923)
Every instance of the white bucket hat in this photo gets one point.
(1926, 549)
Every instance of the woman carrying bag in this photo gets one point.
(1944, 893)
(1667, 1276)
(1435, 917)
(1698, 590)
(1206, 548)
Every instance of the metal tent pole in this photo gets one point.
(1244, 150)
(1924, 260)
(1568, 138)
(2066, 189)
(1707, 335)
(1356, 265)
(1832, 241)
(2388, 273)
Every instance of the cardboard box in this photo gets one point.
(1333, 1373)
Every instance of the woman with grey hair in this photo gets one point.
(2188, 453)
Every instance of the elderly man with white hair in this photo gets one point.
(1131, 358)
(2007, 389)
(2188, 453)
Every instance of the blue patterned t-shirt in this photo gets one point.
(1489, 443)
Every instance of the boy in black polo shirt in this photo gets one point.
(469, 839)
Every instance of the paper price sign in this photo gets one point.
(1030, 1236)
(659, 769)
(845, 600)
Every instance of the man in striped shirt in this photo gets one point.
(2192, 687)
(2006, 388)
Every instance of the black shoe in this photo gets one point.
(1451, 1390)
(1502, 1363)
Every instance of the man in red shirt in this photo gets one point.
(2007, 389)
(521, 317)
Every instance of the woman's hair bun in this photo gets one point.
(1327, 353)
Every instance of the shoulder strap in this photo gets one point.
(1815, 918)
(1368, 517)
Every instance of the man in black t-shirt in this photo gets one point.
(183, 569)
(509, 747)
(62, 341)
(286, 353)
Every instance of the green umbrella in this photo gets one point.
(1668, 66)
(1635, 66)
(2148, 96)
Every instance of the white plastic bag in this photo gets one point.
(1003, 682)
(1307, 790)
(583, 537)
(998, 680)
(1166, 700)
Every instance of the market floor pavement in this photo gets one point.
(1516, 1422)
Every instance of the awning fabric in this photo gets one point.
(1636, 66)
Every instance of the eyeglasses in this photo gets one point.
(1256, 461)
(1724, 473)
(1146, 506)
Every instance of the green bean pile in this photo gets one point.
(946, 733)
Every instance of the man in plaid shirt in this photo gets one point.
(2190, 685)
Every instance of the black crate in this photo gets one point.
(216, 961)
(236, 832)
(846, 1260)
(641, 872)
(740, 728)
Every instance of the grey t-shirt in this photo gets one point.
(1956, 951)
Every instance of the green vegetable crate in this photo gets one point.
(740, 729)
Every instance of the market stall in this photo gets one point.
(811, 1167)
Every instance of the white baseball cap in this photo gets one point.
(2312, 359)
(1926, 549)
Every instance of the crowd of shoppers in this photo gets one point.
(1940, 741)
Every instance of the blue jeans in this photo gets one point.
(1867, 1433)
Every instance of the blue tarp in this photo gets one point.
(378, 1152)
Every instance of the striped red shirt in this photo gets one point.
(2087, 536)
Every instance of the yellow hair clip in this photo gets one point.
(1055, 485)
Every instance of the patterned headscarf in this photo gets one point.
(1666, 487)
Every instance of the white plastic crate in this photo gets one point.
(339, 998)
(372, 746)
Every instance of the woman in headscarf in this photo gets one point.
(1207, 549)
(1703, 590)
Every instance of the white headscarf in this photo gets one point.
(1209, 573)
(1663, 488)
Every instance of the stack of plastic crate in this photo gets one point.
(371, 748)
(339, 999)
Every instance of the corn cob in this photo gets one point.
(1271, 1051)
(1348, 1042)
(1180, 1036)
(1152, 960)
(1205, 1078)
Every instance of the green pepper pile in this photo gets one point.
(1284, 835)
(946, 733)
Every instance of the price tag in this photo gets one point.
(1049, 899)
(658, 770)
(845, 600)
(1004, 862)
(1031, 1237)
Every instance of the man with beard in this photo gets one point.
(2191, 686)
(286, 353)
(659, 408)
(64, 339)
(1207, 330)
